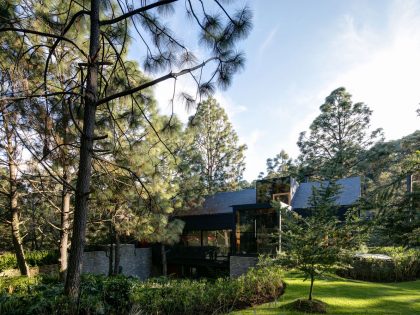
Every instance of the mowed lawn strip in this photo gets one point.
(345, 296)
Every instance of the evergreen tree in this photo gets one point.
(337, 137)
(221, 158)
(279, 166)
(318, 242)
(391, 195)
(108, 24)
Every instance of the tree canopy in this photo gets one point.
(220, 157)
(337, 137)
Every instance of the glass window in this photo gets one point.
(217, 238)
(191, 238)
(256, 231)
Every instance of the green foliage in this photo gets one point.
(405, 265)
(395, 210)
(7, 261)
(119, 294)
(205, 297)
(279, 166)
(317, 243)
(220, 159)
(33, 258)
(337, 137)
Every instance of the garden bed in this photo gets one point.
(120, 295)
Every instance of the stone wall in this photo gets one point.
(136, 262)
(240, 265)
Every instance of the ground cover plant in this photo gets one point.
(345, 296)
(123, 295)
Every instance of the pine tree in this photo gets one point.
(337, 137)
(108, 24)
(220, 158)
(317, 243)
(279, 166)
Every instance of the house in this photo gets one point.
(231, 229)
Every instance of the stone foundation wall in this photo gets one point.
(240, 265)
(135, 262)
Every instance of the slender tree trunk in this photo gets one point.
(17, 241)
(111, 250)
(164, 262)
(64, 234)
(117, 254)
(65, 196)
(13, 196)
(72, 286)
(312, 286)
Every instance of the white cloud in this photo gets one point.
(231, 108)
(254, 160)
(387, 76)
(378, 67)
(164, 92)
(267, 42)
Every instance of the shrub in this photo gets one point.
(7, 261)
(404, 265)
(35, 295)
(208, 297)
(33, 258)
(42, 257)
(119, 294)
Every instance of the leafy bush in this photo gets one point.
(7, 261)
(406, 261)
(33, 258)
(42, 257)
(208, 297)
(405, 265)
(122, 295)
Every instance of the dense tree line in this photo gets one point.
(81, 135)
(340, 144)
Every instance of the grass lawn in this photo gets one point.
(347, 297)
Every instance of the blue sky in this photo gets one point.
(299, 51)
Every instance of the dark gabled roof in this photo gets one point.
(350, 191)
(222, 202)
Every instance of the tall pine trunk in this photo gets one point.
(64, 233)
(13, 194)
(117, 253)
(72, 286)
(65, 195)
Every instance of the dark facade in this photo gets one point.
(243, 223)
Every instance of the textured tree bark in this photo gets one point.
(17, 241)
(72, 285)
(65, 195)
(13, 195)
(117, 254)
(64, 233)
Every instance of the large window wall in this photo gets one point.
(219, 239)
(256, 231)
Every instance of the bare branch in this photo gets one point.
(171, 75)
(136, 11)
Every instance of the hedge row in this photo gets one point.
(405, 265)
(122, 295)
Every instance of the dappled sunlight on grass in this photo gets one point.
(347, 297)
